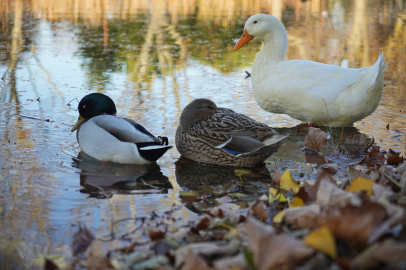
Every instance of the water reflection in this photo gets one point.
(104, 179)
(153, 57)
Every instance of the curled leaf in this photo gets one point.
(316, 139)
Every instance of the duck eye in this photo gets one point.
(255, 22)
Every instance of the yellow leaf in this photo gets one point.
(241, 172)
(278, 217)
(297, 202)
(361, 184)
(288, 184)
(272, 194)
(281, 198)
(322, 240)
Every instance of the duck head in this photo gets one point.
(260, 27)
(92, 105)
(195, 111)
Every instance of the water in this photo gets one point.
(153, 60)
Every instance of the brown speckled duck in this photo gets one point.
(221, 136)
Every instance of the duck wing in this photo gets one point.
(220, 127)
(242, 143)
(125, 130)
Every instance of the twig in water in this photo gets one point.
(342, 132)
(70, 106)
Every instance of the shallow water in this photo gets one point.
(153, 60)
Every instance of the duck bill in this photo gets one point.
(80, 120)
(243, 39)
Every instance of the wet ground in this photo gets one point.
(153, 62)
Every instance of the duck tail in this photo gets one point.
(153, 152)
(374, 75)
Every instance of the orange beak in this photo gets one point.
(244, 39)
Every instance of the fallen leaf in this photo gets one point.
(225, 211)
(279, 217)
(287, 183)
(309, 192)
(361, 184)
(316, 139)
(258, 209)
(303, 217)
(274, 251)
(329, 194)
(81, 240)
(231, 263)
(241, 172)
(388, 252)
(203, 222)
(97, 259)
(296, 202)
(394, 160)
(277, 176)
(195, 262)
(375, 156)
(322, 240)
(49, 265)
(157, 231)
(223, 200)
(155, 262)
(317, 159)
(329, 169)
(206, 248)
(338, 158)
(356, 223)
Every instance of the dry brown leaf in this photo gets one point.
(81, 240)
(258, 209)
(157, 231)
(317, 159)
(394, 160)
(97, 259)
(329, 194)
(329, 169)
(316, 139)
(388, 252)
(309, 192)
(195, 262)
(356, 224)
(227, 211)
(277, 176)
(203, 222)
(223, 200)
(272, 251)
(228, 263)
(206, 248)
(375, 157)
(303, 217)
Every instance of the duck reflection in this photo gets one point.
(103, 179)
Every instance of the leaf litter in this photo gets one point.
(347, 213)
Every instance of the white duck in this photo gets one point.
(104, 136)
(309, 91)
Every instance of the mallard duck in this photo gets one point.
(309, 91)
(221, 136)
(104, 136)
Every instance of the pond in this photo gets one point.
(152, 58)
